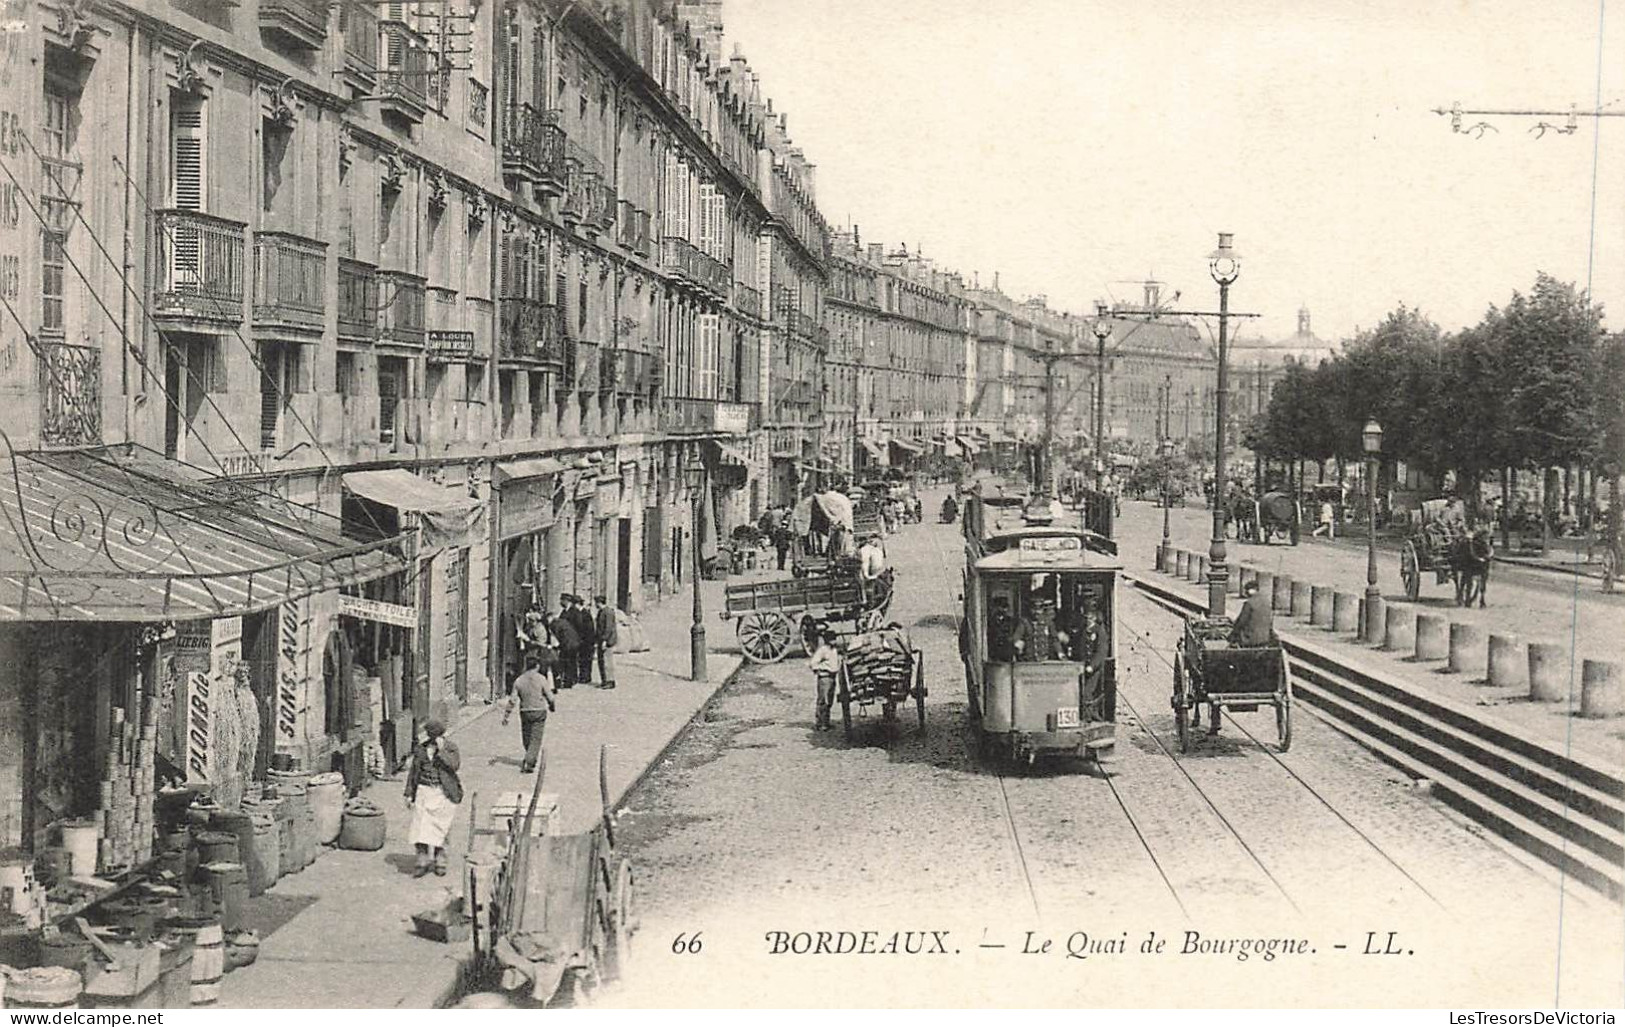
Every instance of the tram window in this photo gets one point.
(1059, 618)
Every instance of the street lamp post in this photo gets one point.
(1103, 331)
(1165, 448)
(1224, 264)
(1371, 440)
(696, 631)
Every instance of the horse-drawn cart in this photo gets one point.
(881, 666)
(1209, 669)
(770, 616)
(1448, 550)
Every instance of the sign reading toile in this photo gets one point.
(382, 612)
(733, 418)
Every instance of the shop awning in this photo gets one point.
(949, 447)
(971, 446)
(874, 449)
(532, 467)
(733, 455)
(121, 534)
(908, 445)
(448, 517)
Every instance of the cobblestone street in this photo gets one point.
(755, 823)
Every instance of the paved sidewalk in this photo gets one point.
(339, 933)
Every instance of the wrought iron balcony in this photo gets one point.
(449, 336)
(574, 207)
(533, 146)
(290, 283)
(403, 80)
(747, 300)
(530, 330)
(200, 268)
(358, 301)
(70, 391)
(681, 259)
(401, 303)
(714, 275)
(299, 23)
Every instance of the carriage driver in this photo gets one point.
(1255, 624)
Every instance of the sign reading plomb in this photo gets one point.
(384, 613)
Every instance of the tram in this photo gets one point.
(1039, 632)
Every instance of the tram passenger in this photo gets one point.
(1001, 632)
(1037, 638)
(1255, 624)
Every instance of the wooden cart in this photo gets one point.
(1208, 669)
(884, 667)
(555, 921)
(771, 616)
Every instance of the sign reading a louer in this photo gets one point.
(733, 418)
(382, 612)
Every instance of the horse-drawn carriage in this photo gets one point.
(880, 666)
(1449, 550)
(1209, 669)
(1261, 518)
(770, 616)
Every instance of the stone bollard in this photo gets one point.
(1320, 606)
(1346, 612)
(1548, 672)
(1160, 560)
(1201, 570)
(1266, 583)
(1301, 593)
(1281, 599)
(1432, 636)
(1602, 689)
(1181, 559)
(1504, 665)
(1466, 654)
(1232, 584)
(1399, 629)
(1373, 621)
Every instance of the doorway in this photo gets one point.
(623, 564)
(259, 654)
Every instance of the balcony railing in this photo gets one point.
(574, 207)
(681, 415)
(530, 330)
(680, 258)
(747, 300)
(200, 267)
(358, 301)
(70, 391)
(360, 38)
(403, 82)
(533, 146)
(588, 366)
(401, 303)
(300, 23)
(715, 276)
(449, 337)
(290, 281)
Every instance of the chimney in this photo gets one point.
(877, 252)
(857, 239)
(1303, 323)
(995, 281)
(1153, 295)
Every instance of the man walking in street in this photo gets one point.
(606, 638)
(535, 701)
(581, 619)
(564, 633)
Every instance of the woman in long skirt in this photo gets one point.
(433, 791)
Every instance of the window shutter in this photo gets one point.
(706, 195)
(505, 272)
(187, 154)
(538, 47)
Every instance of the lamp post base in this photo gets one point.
(696, 653)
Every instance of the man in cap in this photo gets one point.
(535, 701)
(1255, 623)
(605, 637)
(564, 633)
(581, 619)
(1037, 639)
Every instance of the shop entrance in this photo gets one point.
(259, 655)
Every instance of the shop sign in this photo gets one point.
(287, 684)
(526, 506)
(376, 610)
(733, 418)
(193, 646)
(586, 488)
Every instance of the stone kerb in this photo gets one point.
(1466, 649)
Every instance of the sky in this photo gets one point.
(1077, 146)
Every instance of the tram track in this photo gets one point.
(1566, 813)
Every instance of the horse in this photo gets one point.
(1244, 514)
(1470, 557)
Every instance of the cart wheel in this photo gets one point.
(1283, 707)
(617, 944)
(1410, 571)
(919, 686)
(764, 636)
(1181, 724)
(1610, 569)
(846, 706)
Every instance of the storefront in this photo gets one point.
(527, 559)
(141, 638)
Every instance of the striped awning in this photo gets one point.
(120, 534)
(874, 449)
(908, 445)
(971, 446)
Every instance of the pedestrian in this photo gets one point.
(606, 638)
(564, 633)
(433, 791)
(581, 620)
(825, 664)
(781, 542)
(534, 698)
(1328, 522)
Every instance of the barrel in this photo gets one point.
(228, 884)
(217, 847)
(208, 955)
(138, 914)
(174, 971)
(264, 853)
(64, 949)
(79, 837)
(236, 822)
(43, 987)
(365, 826)
(291, 787)
(199, 813)
(326, 798)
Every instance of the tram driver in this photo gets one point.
(1037, 636)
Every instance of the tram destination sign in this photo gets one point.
(1051, 545)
